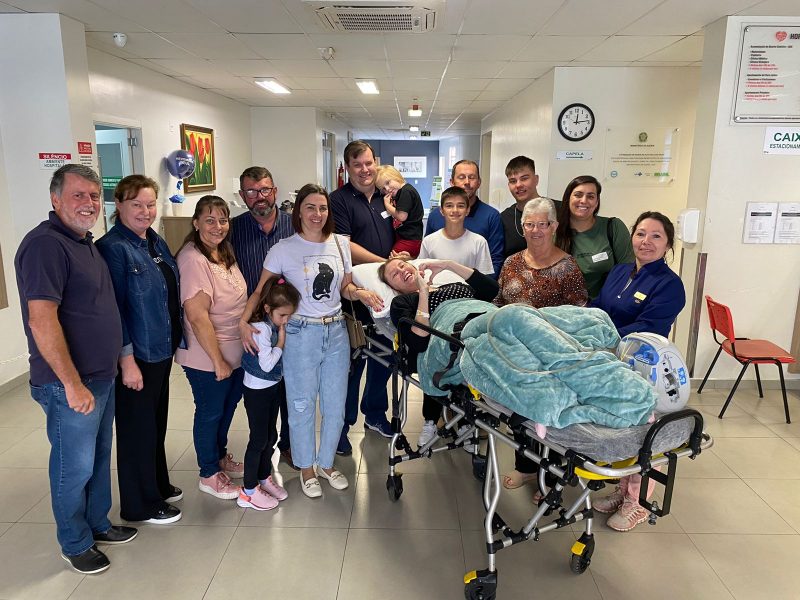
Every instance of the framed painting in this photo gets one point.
(411, 166)
(199, 141)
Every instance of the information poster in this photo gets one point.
(782, 140)
(787, 229)
(436, 192)
(641, 156)
(759, 222)
(768, 82)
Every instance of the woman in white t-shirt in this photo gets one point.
(454, 242)
(316, 355)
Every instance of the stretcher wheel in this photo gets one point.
(582, 551)
(480, 585)
(479, 466)
(394, 485)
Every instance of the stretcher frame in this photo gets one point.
(465, 405)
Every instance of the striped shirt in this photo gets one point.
(250, 244)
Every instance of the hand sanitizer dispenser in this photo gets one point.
(688, 226)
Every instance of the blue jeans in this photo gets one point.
(80, 463)
(315, 362)
(375, 401)
(214, 405)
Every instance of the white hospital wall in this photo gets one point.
(127, 94)
(453, 149)
(522, 126)
(759, 282)
(324, 122)
(48, 112)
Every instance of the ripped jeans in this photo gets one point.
(316, 360)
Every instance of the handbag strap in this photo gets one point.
(336, 241)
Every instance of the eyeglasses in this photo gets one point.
(267, 191)
(538, 225)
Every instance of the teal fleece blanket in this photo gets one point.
(551, 365)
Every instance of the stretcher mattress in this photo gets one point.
(606, 444)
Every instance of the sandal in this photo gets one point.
(515, 479)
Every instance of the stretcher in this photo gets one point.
(585, 457)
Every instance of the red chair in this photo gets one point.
(745, 351)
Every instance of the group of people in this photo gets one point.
(252, 307)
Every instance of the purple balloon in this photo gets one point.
(180, 164)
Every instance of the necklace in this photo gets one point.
(517, 220)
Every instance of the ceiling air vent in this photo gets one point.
(377, 17)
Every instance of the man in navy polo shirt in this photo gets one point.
(482, 218)
(253, 234)
(74, 333)
(360, 214)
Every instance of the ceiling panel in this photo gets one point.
(211, 45)
(162, 16)
(785, 8)
(528, 70)
(188, 67)
(321, 83)
(284, 46)
(517, 17)
(475, 68)
(348, 46)
(362, 69)
(417, 68)
(94, 18)
(7, 8)
(465, 84)
(247, 68)
(678, 17)
(145, 45)
(488, 47)
(559, 47)
(304, 68)
(628, 47)
(148, 64)
(590, 17)
(419, 46)
(410, 84)
(686, 50)
(249, 16)
(498, 95)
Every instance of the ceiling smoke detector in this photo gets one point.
(377, 16)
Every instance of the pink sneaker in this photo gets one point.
(273, 489)
(219, 485)
(628, 516)
(609, 504)
(260, 500)
(231, 467)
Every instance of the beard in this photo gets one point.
(262, 209)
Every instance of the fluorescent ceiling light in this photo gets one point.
(414, 111)
(413, 137)
(414, 128)
(272, 86)
(367, 86)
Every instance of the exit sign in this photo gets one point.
(424, 133)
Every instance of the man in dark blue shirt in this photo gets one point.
(252, 235)
(74, 333)
(360, 214)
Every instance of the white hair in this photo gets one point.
(539, 205)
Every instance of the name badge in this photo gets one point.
(385, 214)
(600, 257)
(640, 296)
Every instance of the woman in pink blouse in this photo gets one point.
(541, 275)
(213, 294)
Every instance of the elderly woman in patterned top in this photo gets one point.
(541, 275)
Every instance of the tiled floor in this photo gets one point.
(734, 531)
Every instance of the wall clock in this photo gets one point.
(576, 122)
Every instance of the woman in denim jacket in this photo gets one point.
(145, 278)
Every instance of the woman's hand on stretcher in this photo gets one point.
(246, 331)
(370, 298)
(437, 266)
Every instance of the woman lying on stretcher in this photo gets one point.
(418, 300)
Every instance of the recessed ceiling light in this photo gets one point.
(414, 111)
(367, 86)
(413, 137)
(272, 86)
(414, 128)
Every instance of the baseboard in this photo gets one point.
(750, 384)
(15, 382)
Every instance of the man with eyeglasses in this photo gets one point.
(482, 218)
(252, 234)
(522, 183)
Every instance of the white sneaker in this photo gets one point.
(429, 431)
(469, 447)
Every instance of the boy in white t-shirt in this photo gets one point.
(454, 242)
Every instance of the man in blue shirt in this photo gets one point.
(74, 333)
(253, 234)
(482, 218)
(360, 214)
